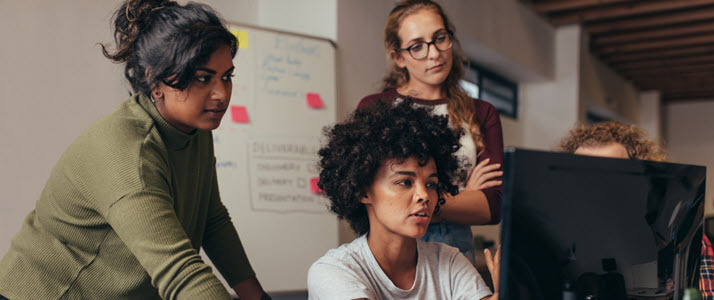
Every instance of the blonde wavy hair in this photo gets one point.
(460, 106)
(634, 139)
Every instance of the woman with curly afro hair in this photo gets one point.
(612, 139)
(386, 170)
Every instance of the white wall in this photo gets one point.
(604, 89)
(549, 109)
(688, 132)
(649, 117)
(361, 58)
(313, 17)
(505, 36)
(54, 83)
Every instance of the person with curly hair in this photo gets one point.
(386, 170)
(131, 202)
(612, 139)
(427, 66)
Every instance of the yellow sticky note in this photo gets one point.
(242, 37)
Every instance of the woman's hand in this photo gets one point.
(483, 176)
(494, 266)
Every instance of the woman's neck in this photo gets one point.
(397, 258)
(421, 91)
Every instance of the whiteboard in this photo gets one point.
(266, 153)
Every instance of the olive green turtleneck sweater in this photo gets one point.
(123, 215)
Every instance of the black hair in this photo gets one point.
(163, 41)
(357, 148)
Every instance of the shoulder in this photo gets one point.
(115, 149)
(388, 95)
(347, 257)
(484, 105)
(128, 124)
(340, 273)
(485, 109)
(487, 114)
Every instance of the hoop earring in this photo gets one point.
(156, 95)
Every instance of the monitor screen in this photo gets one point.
(581, 227)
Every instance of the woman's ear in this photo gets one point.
(365, 199)
(157, 94)
(398, 59)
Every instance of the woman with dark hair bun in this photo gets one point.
(130, 203)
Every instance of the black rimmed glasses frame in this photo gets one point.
(420, 50)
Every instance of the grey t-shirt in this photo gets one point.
(352, 272)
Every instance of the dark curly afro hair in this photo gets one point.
(357, 148)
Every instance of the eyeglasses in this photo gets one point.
(420, 50)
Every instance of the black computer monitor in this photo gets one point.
(596, 227)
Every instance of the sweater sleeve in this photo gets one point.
(147, 224)
(493, 143)
(222, 243)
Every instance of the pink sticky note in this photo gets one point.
(314, 100)
(313, 185)
(239, 114)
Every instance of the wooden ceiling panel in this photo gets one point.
(626, 9)
(555, 6)
(667, 45)
(658, 20)
(652, 55)
(656, 33)
(667, 63)
(671, 43)
(680, 97)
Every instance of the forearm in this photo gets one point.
(228, 255)
(249, 289)
(467, 208)
(148, 226)
(223, 245)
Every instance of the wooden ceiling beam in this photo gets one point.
(672, 77)
(670, 90)
(675, 87)
(622, 10)
(656, 33)
(553, 6)
(685, 97)
(674, 71)
(678, 89)
(656, 55)
(694, 15)
(660, 44)
(693, 78)
(689, 94)
(665, 63)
